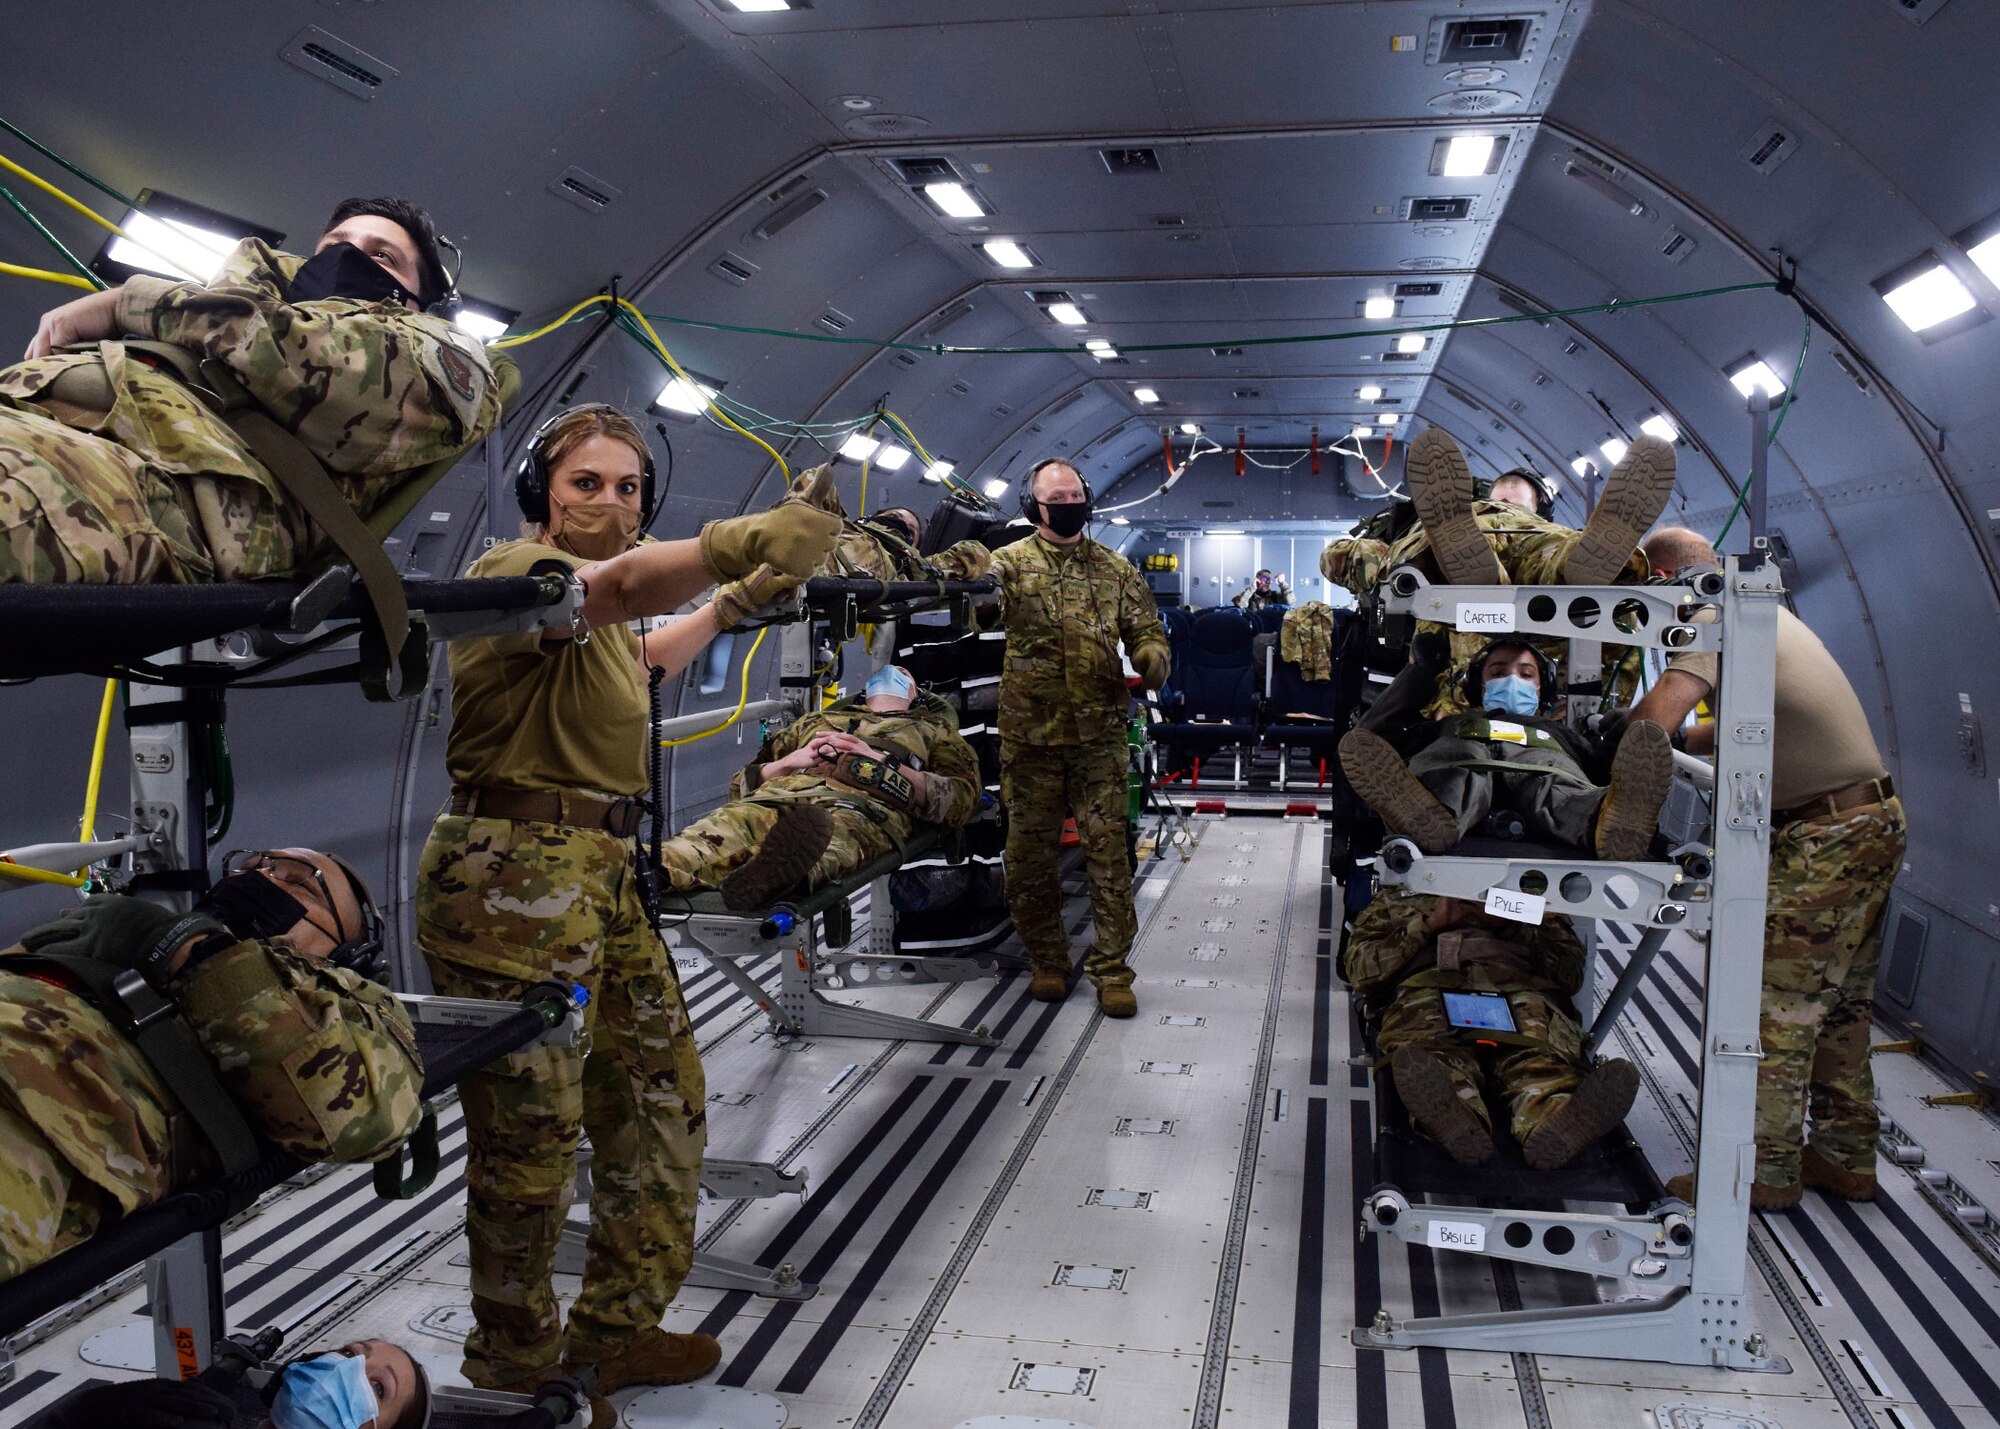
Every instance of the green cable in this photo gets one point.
(53, 241)
(50, 154)
(941, 349)
(1743, 492)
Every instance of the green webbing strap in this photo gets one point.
(155, 1026)
(390, 1182)
(1502, 766)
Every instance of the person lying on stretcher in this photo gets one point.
(1514, 769)
(884, 546)
(829, 795)
(1466, 1005)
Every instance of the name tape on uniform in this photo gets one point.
(1475, 616)
(1455, 1235)
(1515, 906)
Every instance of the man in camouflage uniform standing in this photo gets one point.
(114, 471)
(318, 1059)
(1067, 602)
(1837, 841)
(829, 795)
(1408, 951)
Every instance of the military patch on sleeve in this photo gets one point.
(457, 370)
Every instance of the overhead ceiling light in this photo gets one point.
(1370, 393)
(1388, 419)
(1753, 374)
(1378, 308)
(1120, 521)
(1189, 429)
(1068, 314)
(485, 321)
(176, 239)
(1929, 298)
(1225, 531)
(1100, 349)
(1584, 467)
(955, 200)
(1659, 426)
(1410, 342)
(1007, 253)
(859, 447)
(891, 458)
(1364, 433)
(938, 470)
(1145, 394)
(1987, 256)
(760, 7)
(1467, 155)
(996, 488)
(681, 399)
(1614, 450)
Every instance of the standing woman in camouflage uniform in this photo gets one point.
(530, 874)
(1067, 603)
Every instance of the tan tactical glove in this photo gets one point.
(795, 538)
(1153, 665)
(737, 601)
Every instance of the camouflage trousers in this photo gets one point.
(1533, 1080)
(711, 847)
(1551, 794)
(46, 1205)
(502, 904)
(1829, 888)
(1041, 785)
(77, 508)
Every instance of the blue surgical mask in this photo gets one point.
(892, 680)
(326, 1392)
(1514, 695)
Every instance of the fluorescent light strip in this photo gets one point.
(170, 248)
(891, 458)
(1411, 342)
(1933, 296)
(1584, 467)
(1068, 314)
(1370, 394)
(1659, 426)
(938, 471)
(955, 200)
(1467, 155)
(1376, 309)
(1007, 253)
(480, 325)
(859, 447)
(1614, 450)
(996, 488)
(1757, 373)
(1145, 394)
(1362, 433)
(1189, 429)
(1388, 419)
(677, 396)
(1987, 256)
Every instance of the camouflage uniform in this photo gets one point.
(158, 489)
(501, 904)
(864, 829)
(1394, 961)
(1531, 552)
(320, 1060)
(1829, 889)
(1063, 751)
(1306, 640)
(875, 550)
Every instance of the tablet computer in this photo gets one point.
(1478, 1011)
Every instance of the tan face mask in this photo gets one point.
(597, 530)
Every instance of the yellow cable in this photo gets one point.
(693, 386)
(861, 506)
(10, 869)
(551, 327)
(15, 270)
(742, 698)
(915, 445)
(88, 212)
(88, 829)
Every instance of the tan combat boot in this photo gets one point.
(1049, 984)
(657, 1357)
(1836, 1180)
(782, 862)
(1431, 1097)
(1387, 786)
(1634, 495)
(1762, 1197)
(1440, 486)
(1598, 1104)
(1641, 773)
(1116, 999)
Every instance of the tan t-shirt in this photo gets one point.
(1820, 740)
(565, 714)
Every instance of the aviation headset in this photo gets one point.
(531, 478)
(1545, 670)
(1031, 508)
(448, 304)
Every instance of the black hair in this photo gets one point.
(413, 221)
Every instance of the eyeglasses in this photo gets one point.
(291, 872)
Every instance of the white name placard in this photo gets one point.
(1455, 1235)
(1516, 907)
(1475, 616)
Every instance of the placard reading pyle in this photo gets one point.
(1455, 1235)
(1493, 618)
(1514, 905)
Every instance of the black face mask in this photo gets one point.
(344, 271)
(1066, 518)
(251, 906)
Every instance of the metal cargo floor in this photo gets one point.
(1126, 1225)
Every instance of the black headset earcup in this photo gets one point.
(531, 485)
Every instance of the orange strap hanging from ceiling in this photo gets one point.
(1242, 465)
(1167, 448)
(1315, 451)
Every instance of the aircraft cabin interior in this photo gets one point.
(1091, 714)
